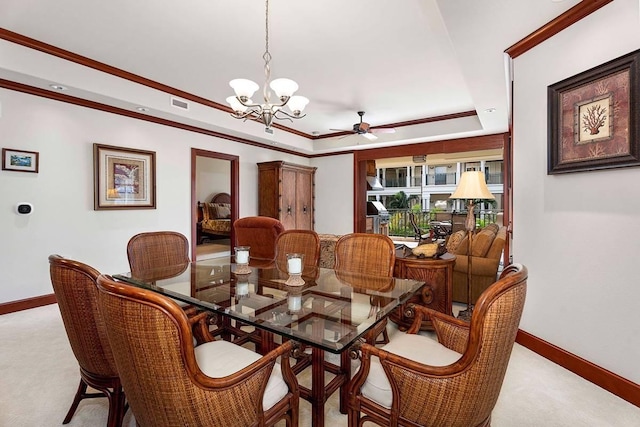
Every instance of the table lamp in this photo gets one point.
(472, 187)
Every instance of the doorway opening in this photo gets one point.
(214, 201)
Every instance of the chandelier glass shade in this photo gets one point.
(245, 108)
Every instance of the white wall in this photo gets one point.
(577, 233)
(213, 176)
(334, 194)
(63, 220)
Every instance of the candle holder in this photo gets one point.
(294, 300)
(294, 268)
(242, 286)
(242, 260)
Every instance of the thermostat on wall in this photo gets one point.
(24, 208)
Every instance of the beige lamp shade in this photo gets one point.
(472, 186)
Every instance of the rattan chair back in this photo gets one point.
(304, 242)
(365, 253)
(465, 392)
(74, 285)
(153, 347)
(166, 253)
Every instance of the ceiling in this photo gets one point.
(397, 61)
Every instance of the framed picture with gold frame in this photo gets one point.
(593, 118)
(124, 178)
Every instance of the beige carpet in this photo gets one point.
(213, 249)
(39, 377)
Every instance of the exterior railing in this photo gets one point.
(437, 179)
(400, 225)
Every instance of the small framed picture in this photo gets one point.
(19, 160)
(593, 118)
(124, 178)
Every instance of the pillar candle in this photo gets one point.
(294, 265)
(294, 302)
(242, 289)
(242, 256)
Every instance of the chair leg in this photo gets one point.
(82, 389)
(117, 407)
(385, 337)
(353, 418)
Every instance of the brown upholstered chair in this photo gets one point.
(260, 234)
(455, 381)
(372, 254)
(74, 285)
(157, 255)
(304, 242)
(169, 382)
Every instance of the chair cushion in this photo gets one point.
(218, 359)
(377, 387)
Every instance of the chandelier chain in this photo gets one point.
(266, 56)
(244, 108)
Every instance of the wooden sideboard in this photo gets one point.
(437, 290)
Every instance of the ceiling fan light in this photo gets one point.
(244, 88)
(284, 87)
(297, 104)
(236, 105)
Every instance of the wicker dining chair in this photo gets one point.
(169, 382)
(166, 253)
(74, 285)
(371, 254)
(455, 381)
(157, 255)
(304, 242)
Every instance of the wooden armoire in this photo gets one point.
(286, 192)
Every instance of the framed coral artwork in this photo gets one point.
(124, 178)
(593, 118)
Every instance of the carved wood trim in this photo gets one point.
(406, 123)
(32, 90)
(601, 377)
(25, 304)
(570, 17)
(118, 72)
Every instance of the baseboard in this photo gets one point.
(25, 304)
(601, 377)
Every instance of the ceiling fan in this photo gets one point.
(364, 129)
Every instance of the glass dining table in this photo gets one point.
(328, 311)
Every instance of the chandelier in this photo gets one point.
(245, 108)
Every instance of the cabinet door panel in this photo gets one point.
(268, 200)
(304, 197)
(288, 202)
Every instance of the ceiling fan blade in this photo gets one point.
(369, 136)
(341, 130)
(383, 130)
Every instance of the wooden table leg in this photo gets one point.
(318, 396)
(345, 368)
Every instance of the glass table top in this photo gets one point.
(330, 310)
